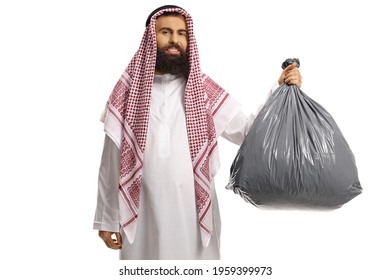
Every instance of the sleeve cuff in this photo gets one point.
(106, 227)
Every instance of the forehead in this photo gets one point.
(171, 21)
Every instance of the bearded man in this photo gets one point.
(156, 195)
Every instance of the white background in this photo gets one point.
(59, 61)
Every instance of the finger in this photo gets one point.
(293, 71)
(294, 81)
(112, 243)
(118, 238)
(290, 67)
(290, 75)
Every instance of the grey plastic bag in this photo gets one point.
(294, 156)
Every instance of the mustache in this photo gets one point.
(173, 45)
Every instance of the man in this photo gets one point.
(162, 121)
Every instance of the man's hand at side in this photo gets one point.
(111, 241)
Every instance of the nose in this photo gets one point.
(174, 38)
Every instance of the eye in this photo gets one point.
(183, 33)
(165, 32)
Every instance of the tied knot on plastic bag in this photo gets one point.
(290, 61)
(294, 156)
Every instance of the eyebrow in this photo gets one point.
(170, 29)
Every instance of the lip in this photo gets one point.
(173, 51)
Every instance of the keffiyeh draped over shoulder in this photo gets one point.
(208, 109)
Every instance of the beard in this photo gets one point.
(172, 64)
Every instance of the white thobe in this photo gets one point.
(167, 227)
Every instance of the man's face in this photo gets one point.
(171, 34)
(172, 41)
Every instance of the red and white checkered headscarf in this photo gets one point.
(208, 109)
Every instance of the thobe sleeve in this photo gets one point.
(240, 124)
(107, 209)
